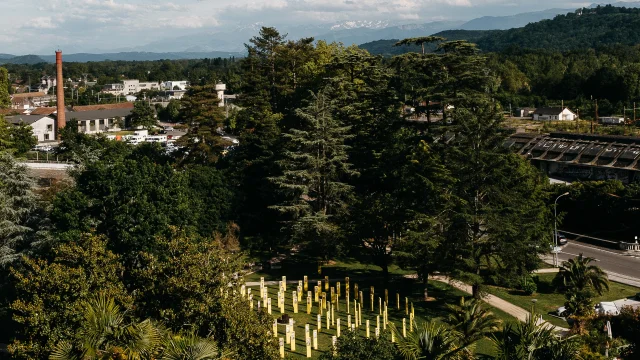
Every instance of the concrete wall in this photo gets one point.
(44, 127)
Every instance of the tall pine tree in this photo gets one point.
(5, 99)
(499, 221)
(203, 144)
(314, 174)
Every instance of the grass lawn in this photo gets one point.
(339, 268)
(549, 301)
(442, 293)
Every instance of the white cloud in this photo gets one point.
(117, 24)
(41, 22)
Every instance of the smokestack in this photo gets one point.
(60, 95)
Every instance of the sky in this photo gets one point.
(41, 26)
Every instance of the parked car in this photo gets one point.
(562, 239)
(607, 308)
(45, 148)
(562, 311)
(601, 308)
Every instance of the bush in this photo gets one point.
(528, 285)
(352, 347)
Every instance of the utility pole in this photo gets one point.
(596, 116)
(631, 123)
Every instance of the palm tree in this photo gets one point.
(104, 334)
(577, 275)
(532, 340)
(431, 341)
(191, 347)
(472, 320)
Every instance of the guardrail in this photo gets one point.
(611, 244)
(45, 161)
(629, 246)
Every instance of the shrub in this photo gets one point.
(528, 285)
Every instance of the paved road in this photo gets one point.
(616, 263)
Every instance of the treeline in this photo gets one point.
(107, 72)
(539, 78)
(326, 162)
(582, 29)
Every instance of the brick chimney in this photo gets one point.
(60, 95)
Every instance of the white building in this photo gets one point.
(135, 86)
(176, 85)
(220, 88)
(113, 89)
(98, 121)
(43, 126)
(554, 113)
(46, 83)
(29, 100)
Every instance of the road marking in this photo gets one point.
(605, 251)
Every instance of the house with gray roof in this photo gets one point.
(43, 126)
(98, 121)
(554, 113)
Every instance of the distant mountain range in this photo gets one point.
(122, 56)
(591, 28)
(510, 22)
(231, 43)
(22, 59)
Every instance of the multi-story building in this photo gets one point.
(30, 100)
(113, 89)
(98, 121)
(176, 85)
(135, 86)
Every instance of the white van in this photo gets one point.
(607, 308)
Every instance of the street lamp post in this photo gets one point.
(555, 229)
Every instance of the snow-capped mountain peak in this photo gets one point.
(354, 24)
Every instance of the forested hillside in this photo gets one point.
(585, 28)
(388, 48)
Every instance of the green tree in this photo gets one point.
(5, 99)
(313, 176)
(50, 295)
(188, 285)
(578, 274)
(142, 115)
(24, 223)
(22, 138)
(263, 70)
(171, 112)
(471, 320)
(190, 347)
(431, 341)
(106, 333)
(132, 194)
(533, 340)
(350, 346)
(203, 143)
(580, 282)
(5, 134)
(498, 206)
(421, 41)
(423, 197)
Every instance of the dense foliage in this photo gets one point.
(149, 240)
